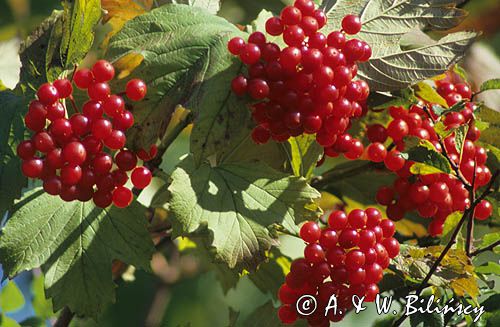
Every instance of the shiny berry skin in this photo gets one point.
(397, 129)
(388, 228)
(348, 238)
(258, 89)
(103, 71)
(64, 87)
(80, 124)
(71, 174)
(274, 26)
(99, 91)
(438, 192)
(354, 259)
(313, 253)
(320, 17)
(113, 106)
(92, 145)
(32, 168)
(250, 54)
(351, 24)
(105, 182)
(102, 163)
(294, 36)
(291, 15)
(357, 218)
(376, 152)
(260, 135)
(120, 177)
(47, 94)
(392, 246)
(69, 193)
(394, 161)
(464, 90)
(26, 150)
(141, 177)
(83, 78)
(239, 85)
(52, 185)
(116, 140)
(136, 89)
(93, 109)
(103, 199)
(55, 111)
(310, 25)
(312, 124)
(123, 121)
(310, 232)
(376, 133)
(126, 160)
(102, 129)
(235, 45)
(74, 153)
(385, 195)
(88, 178)
(483, 210)
(122, 197)
(43, 142)
(257, 38)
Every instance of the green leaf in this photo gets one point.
(186, 63)
(491, 135)
(489, 239)
(427, 93)
(455, 271)
(60, 42)
(211, 6)
(270, 275)
(426, 154)
(460, 135)
(451, 222)
(427, 320)
(12, 131)
(405, 99)
(304, 154)
(457, 107)
(75, 243)
(11, 298)
(384, 25)
(237, 203)
(7, 321)
(492, 84)
(33, 322)
(488, 268)
(41, 306)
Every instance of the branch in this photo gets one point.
(64, 318)
(470, 224)
(487, 248)
(467, 213)
(335, 174)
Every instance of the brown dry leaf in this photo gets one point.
(118, 12)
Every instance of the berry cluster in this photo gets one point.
(437, 195)
(68, 153)
(344, 259)
(306, 87)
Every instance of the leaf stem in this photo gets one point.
(487, 248)
(64, 318)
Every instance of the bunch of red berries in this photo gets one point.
(344, 259)
(68, 153)
(306, 87)
(433, 196)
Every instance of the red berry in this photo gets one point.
(235, 45)
(394, 161)
(274, 26)
(257, 38)
(26, 150)
(291, 15)
(258, 89)
(93, 109)
(32, 168)
(103, 199)
(250, 54)
(357, 218)
(120, 177)
(483, 210)
(102, 129)
(392, 246)
(102, 163)
(388, 227)
(141, 177)
(313, 253)
(287, 314)
(126, 160)
(136, 89)
(376, 152)
(83, 78)
(351, 24)
(260, 135)
(43, 142)
(69, 193)
(52, 185)
(47, 94)
(99, 91)
(113, 106)
(397, 129)
(71, 174)
(64, 88)
(80, 124)
(123, 121)
(376, 133)
(74, 153)
(116, 140)
(103, 71)
(348, 238)
(310, 232)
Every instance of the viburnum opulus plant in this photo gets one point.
(334, 150)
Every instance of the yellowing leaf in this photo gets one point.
(328, 201)
(118, 12)
(428, 94)
(185, 243)
(409, 228)
(461, 286)
(127, 64)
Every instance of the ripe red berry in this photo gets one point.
(80, 124)
(376, 152)
(103, 71)
(310, 232)
(103, 199)
(74, 153)
(32, 168)
(126, 160)
(43, 142)
(47, 94)
(351, 24)
(116, 140)
(260, 135)
(113, 106)
(52, 185)
(93, 109)
(102, 163)
(99, 91)
(83, 78)
(102, 129)
(274, 26)
(136, 89)
(483, 210)
(357, 218)
(26, 150)
(123, 121)
(397, 129)
(64, 87)
(291, 15)
(122, 197)
(235, 45)
(71, 174)
(141, 177)
(250, 54)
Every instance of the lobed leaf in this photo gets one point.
(386, 22)
(75, 243)
(237, 203)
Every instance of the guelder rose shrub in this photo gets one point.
(317, 151)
